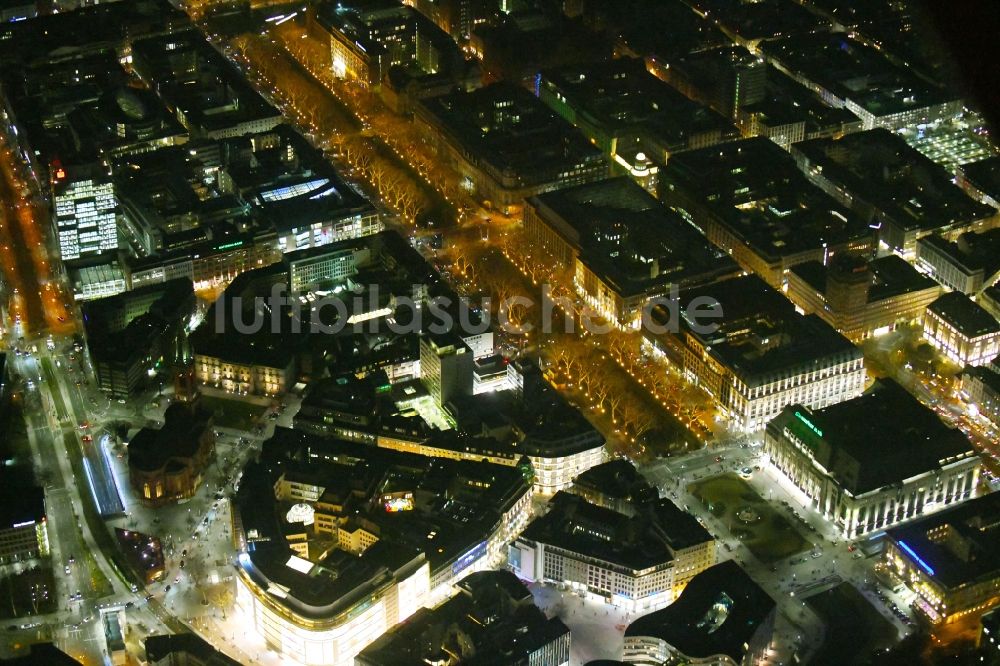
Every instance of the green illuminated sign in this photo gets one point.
(229, 246)
(809, 423)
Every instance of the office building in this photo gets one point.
(369, 37)
(950, 560)
(721, 618)
(892, 187)
(23, 526)
(638, 562)
(962, 330)
(981, 180)
(445, 367)
(967, 263)
(491, 618)
(207, 94)
(862, 298)
(623, 109)
(86, 211)
(756, 355)
(981, 389)
(874, 461)
(727, 79)
(506, 144)
(133, 335)
(620, 246)
(861, 78)
(789, 113)
(750, 199)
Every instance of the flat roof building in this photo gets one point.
(874, 461)
(722, 617)
(182, 650)
(862, 298)
(638, 562)
(750, 199)
(756, 354)
(967, 263)
(369, 37)
(508, 144)
(848, 73)
(23, 524)
(950, 559)
(622, 108)
(491, 619)
(209, 96)
(981, 180)
(892, 187)
(962, 330)
(621, 246)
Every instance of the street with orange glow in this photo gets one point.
(34, 297)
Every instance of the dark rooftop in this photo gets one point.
(42, 654)
(178, 646)
(513, 132)
(491, 620)
(964, 315)
(760, 336)
(630, 239)
(755, 189)
(621, 96)
(852, 70)
(879, 168)
(644, 540)
(180, 436)
(614, 478)
(964, 548)
(890, 276)
(984, 175)
(879, 438)
(717, 613)
(20, 502)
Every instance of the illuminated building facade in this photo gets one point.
(951, 560)
(86, 211)
(872, 462)
(757, 355)
(859, 298)
(621, 246)
(446, 364)
(398, 544)
(637, 562)
(167, 465)
(962, 330)
(23, 528)
(368, 38)
(981, 388)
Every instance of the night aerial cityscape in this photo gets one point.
(499, 332)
